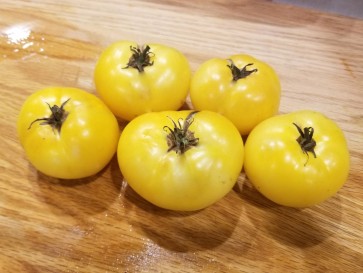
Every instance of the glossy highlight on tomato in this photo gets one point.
(298, 159)
(67, 132)
(188, 170)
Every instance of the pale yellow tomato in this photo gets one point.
(67, 132)
(298, 159)
(181, 160)
(242, 88)
(133, 79)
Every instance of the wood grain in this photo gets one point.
(99, 224)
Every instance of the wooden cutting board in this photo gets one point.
(100, 224)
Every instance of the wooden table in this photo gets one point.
(99, 224)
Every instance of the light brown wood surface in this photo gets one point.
(100, 224)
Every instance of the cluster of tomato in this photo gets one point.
(185, 160)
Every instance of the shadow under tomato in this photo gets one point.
(251, 195)
(187, 105)
(293, 226)
(305, 227)
(81, 197)
(182, 231)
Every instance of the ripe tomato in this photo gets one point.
(242, 88)
(67, 133)
(133, 80)
(298, 159)
(181, 160)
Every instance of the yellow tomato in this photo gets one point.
(181, 160)
(298, 159)
(67, 133)
(133, 80)
(242, 88)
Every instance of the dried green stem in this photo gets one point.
(56, 119)
(180, 138)
(141, 57)
(240, 73)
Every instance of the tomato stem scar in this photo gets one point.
(140, 57)
(306, 141)
(240, 73)
(56, 119)
(180, 138)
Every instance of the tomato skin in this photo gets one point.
(247, 101)
(189, 181)
(164, 85)
(87, 140)
(277, 166)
